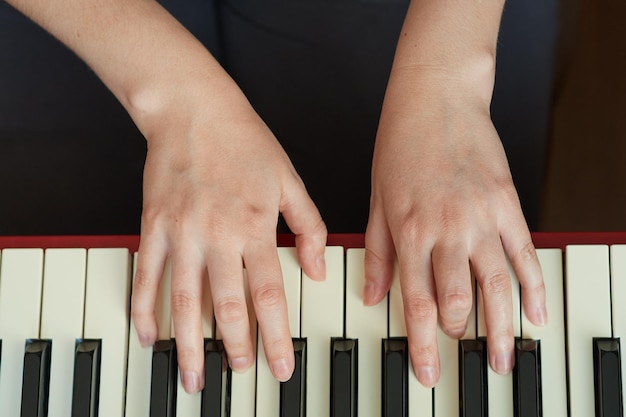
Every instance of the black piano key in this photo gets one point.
(215, 396)
(344, 377)
(607, 377)
(292, 392)
(527, 378)
(36, 378)
(86, 388)
(473, 389)
(164, 382)
(395, 377)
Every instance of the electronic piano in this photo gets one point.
(67, 347)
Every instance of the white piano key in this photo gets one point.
(107, 316)
(501, 386)
(139, 362)
(448, 385)
(20, 307)
(588, 316)
(243, 385)
(322, 319)
(618, 297)
(420, 398)
(268, 388)
(552, 335)
(369, 326)
(190, 404)
(62, 310)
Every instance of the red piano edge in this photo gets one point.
(541, 240)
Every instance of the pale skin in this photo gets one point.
(215, 179)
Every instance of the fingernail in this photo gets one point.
(239, 364)
(280, 369)
(191, 382)
(320, 264)
(426, 375)
(542, 316)
(504, 362)
(369, 293)
(457, 333)
(144, 341)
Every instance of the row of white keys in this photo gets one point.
(68, 286)
(551, 335)
(62, 310)
(369, 326)
(500, 386)
(322, 319)
(268, 388)
(588, 316)
(20, 304)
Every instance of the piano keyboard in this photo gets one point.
(66, 346)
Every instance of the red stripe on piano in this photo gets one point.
(541, 240)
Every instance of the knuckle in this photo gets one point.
(269, 295)
(420, 307)
(526, 253)
(150, 218)
(320, 229)
(411, 231)
(217, 228)
(230, 311)
(496, 283)
(455, 303)
(183, 302)
(141, 280)
(256, 218)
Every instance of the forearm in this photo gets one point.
(144, 56)
(448, 41)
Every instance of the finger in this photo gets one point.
(454, 287)
(379, 259)
(151, 259)
(268, 295)
(489, 265)
(186, 302)
(519, 247)
(420, 311)
(306, 223)
(229, 304)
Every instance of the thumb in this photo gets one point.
(305, 221)
(379, 258)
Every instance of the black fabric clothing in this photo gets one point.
(315, 70)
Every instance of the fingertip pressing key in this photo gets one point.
(192, 382)
(542, 316)
(145, 340)
(504, 362)
(281, 370)
(239, 364)
(427, 376)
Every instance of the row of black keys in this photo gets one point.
(473, 398)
